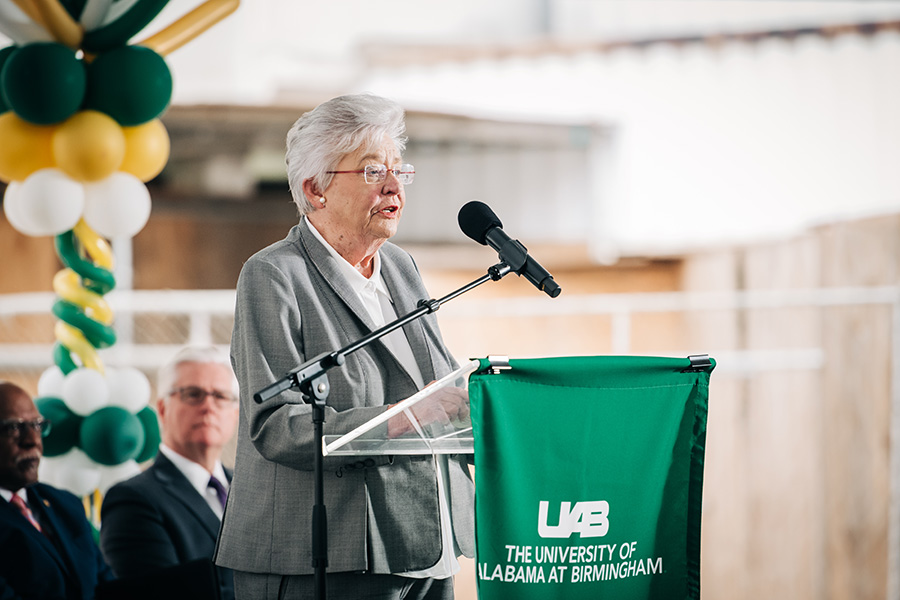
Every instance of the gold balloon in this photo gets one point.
(190, 26)
(89, 146)
(146, 150)
(24, 147)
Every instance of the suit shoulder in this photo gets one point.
(398, 255)
(137, 482)
(144, 487)
(276, 251)
(57, 495)
(281, 260)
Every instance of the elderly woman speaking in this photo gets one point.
(395, 527)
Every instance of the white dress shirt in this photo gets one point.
(198, 477)
(7, 495)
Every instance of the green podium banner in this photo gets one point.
(589, 477)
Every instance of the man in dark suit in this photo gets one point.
(170, 514)
(47, 548)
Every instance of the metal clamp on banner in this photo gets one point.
(499, 363)
(699, 362)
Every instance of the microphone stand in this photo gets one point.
(312, 381)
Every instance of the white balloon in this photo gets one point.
(19, 27)
(110, 476)
(128, 388)
(72, 471)
(13, 211)
(93, 13)
(48, 202)
(48, 468)
(84, 391)
(51, 382)
(117, 206)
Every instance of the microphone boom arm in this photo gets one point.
(311, 371)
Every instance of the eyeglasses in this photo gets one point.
(377, 173)
(15, 429)
(195, 396)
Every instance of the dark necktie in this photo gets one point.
(17, 501)
(220, 489)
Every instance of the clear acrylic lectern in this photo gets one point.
(427, 429)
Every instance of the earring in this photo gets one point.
(322, 199)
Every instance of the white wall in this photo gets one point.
(711, 144)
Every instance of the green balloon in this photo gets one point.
(64, 425)
(4, 54)
(74, 8)
(43, 82)
(62, 356)
(132, 84)
(98, 334)
(111, 435)
(95, 278)
(152, 438)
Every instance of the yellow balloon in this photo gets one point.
(24, 148)
(146, 150)
(96, 247)
(75, 341)
(89, 146)
(57, 21)
(190, 26)
(67, 285)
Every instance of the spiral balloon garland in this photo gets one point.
(85, 318)
(79, 120)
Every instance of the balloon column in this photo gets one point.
(80, 135)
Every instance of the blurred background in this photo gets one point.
(700, 177)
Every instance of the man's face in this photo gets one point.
(202, 411)
(20, 452)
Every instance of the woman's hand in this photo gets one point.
(435, 414)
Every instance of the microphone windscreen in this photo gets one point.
(476, 219)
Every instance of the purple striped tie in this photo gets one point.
(220, 489)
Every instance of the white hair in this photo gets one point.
(192, 354)
(322, 137)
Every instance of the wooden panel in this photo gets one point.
(857, 409)
(204, 245)
(798, 477)
(27, 264)
(861, 253)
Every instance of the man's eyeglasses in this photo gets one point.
(195, 396)
(378, 173)
(15, 428)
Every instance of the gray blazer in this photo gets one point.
(381, 519)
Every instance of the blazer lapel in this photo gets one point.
(405, 303)
(176, 484)
(326, 264)
(10, 515)
(44, 508)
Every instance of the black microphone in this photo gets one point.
(478, 221)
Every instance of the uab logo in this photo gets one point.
(589, 519)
